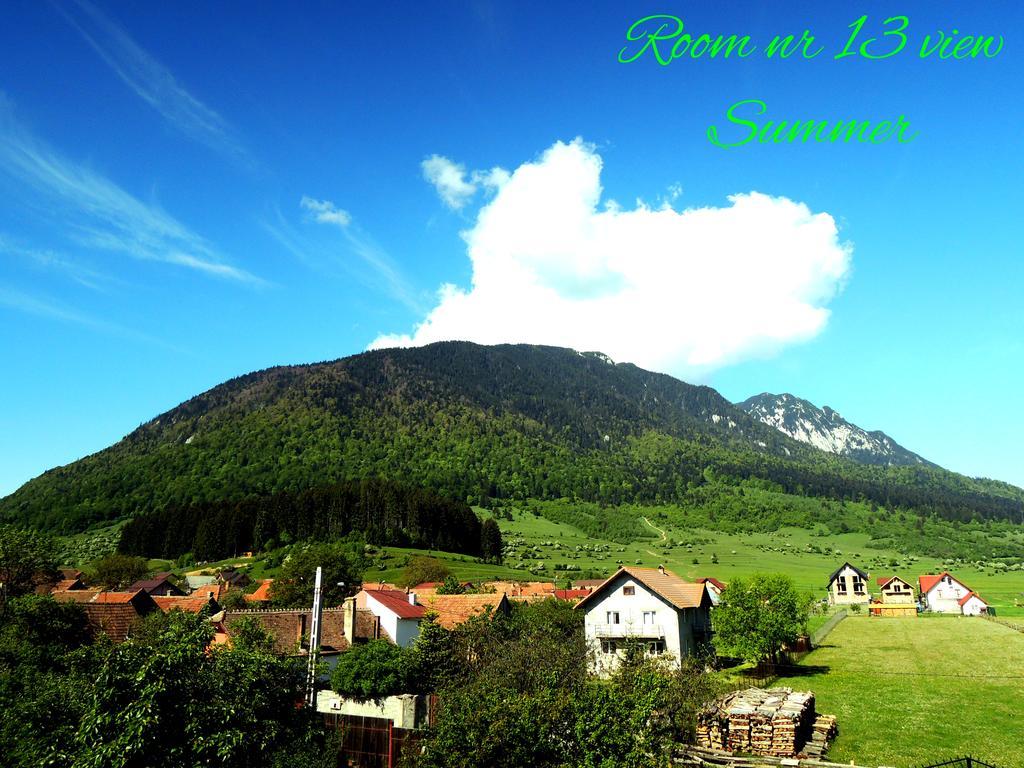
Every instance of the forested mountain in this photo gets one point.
(826, 430)
(473, 423)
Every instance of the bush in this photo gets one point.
(372, 671)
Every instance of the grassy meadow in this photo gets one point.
(910, 692)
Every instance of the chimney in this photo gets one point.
(661, 569)
(412, 598)
(349, 619)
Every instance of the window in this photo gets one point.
(612, 617)
(629, 590)
(656, 647)
(648, 617)
(841, 586)
(608, 646)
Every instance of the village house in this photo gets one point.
(650, 606)
(944, 593)
(848, 585)
(715, 588)
(160, 584)
(261, 594)
(896, 598)
(117, 614)
(971, 604)
(188, 603)
(398, 613)
(340, 629)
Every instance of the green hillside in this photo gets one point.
(479, 423)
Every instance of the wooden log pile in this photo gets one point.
(777, 722)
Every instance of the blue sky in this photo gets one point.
(191, 191)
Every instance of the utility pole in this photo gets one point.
(314, 638)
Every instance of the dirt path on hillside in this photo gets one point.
(664, 536)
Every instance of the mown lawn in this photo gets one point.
(910, 692)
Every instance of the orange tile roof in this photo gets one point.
(452, 610)
(76, 595)
(262, 593)
(215, 591)
(116, 598)
(673, 589)
(68, 585)
(711, 580)
(188, 604)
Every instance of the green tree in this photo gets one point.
(45, 666)
(234, 599)
(171, 702)
(423, 569)
(490, 541)
(374, 670)
(342, 565)
(119, 570)
(757, 616)
(27, 558)
(451, 586)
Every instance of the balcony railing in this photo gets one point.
(629, 630)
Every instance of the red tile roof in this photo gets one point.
(398, 603)
(929, 581)
(711, 580)
(963, 600)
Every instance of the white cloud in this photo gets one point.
(98, 213)
(679, 291)
(150, 80)
(327, 212)
(449, 179)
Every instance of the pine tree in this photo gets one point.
(490, 541)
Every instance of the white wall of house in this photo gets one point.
(403, 632)
(848, 588)
(945, 596)
(617, 617)
(400, 710)
(974, 607)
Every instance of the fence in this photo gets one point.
(1004, 622)
(818, 635)
(961, 762)
(371, 742)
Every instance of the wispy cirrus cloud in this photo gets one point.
(152, 81)
(49, 260)
(99, 213)
(54, 310)
(373, 267)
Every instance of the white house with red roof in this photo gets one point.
(398, 612)
(971, 604)
(944, 593)
(649, 606)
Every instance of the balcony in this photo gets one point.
(629, 630)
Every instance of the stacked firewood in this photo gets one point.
(776, 722)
